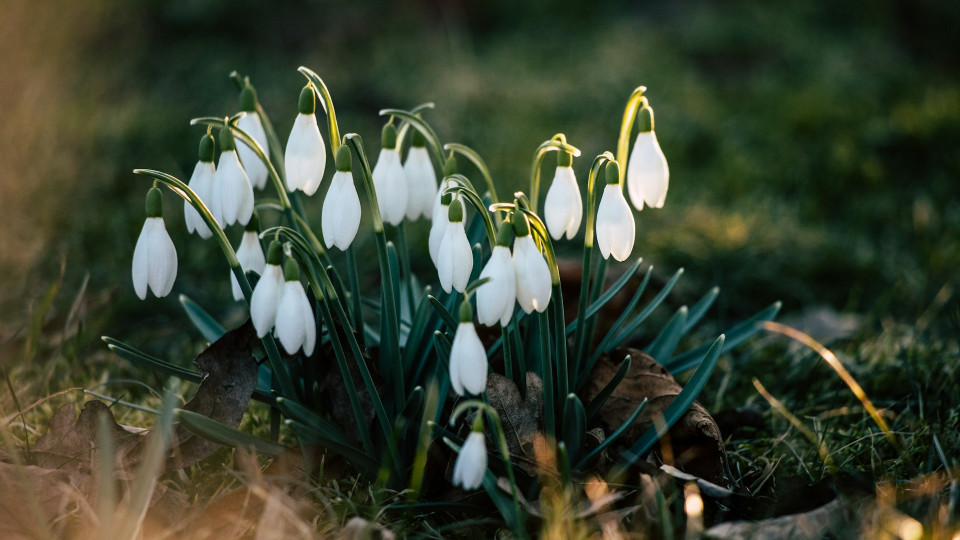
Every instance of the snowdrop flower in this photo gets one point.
(495, 298)
(468, 358)
(647, 173)
(340, 218)
(154, 257)
(471, 464)
(389, 180)
(306, 155)
(256, 170)
(295, 327)
(421, 179)
(440, 219)
(563, 207)
(266, 295)
(454, 258)
(201, 182)
(615, 226)
(533, 274)
(250, 255)
(232, 194)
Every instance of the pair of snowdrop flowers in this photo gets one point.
(522, 277)
(280, 303)
(406, 190)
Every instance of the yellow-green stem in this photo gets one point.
(636, 102)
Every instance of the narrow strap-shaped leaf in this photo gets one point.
(617, 286)
(209, 328)
(295, 411)
(574, 425)
(416, 341)
(735, 336)
(612, 438)
(390, 360)
(666, 341)
(700, 309)
(635, 323)
(444, 314)
(136, 356)
(673, 412)
(219, 433)
(597, 402)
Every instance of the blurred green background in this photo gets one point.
(813, 146)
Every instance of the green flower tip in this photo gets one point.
(207, 148)
(291, 270)
(466, 311)
(455, 213)
(344, 159)
(613, 172)
(564, 158)
(477, 423)
(419, 141)
(254, 224)
(520, 226)
(154, 202)
(505, 234)
(275, 253)
(226, 140)
(248, 99)
(388, 137)
(450, 166)
(308, 101)
(645, 119)
(446, 198)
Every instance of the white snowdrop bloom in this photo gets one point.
(471, 464)
(615, 226)
(563, 207)
(251, 124)
(201, 182)
(389, 180)
(440, 220)
(266, 294)
(455, 258)
(232, 194)
(648, 175)
(421, 179)
(468, 361)
(250, 255)
(495, 298)
(295, 326)
(340, 219)
(154, 257)
(533, 275)
(306, 155)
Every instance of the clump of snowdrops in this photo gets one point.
(414, 342)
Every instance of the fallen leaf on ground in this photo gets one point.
(521, 417)
(694, 444)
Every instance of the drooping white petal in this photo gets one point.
(648, 175)
(471, 464)
(468, 361)
(154, 260)
(533, 275)
(266, 299)
(455, 258)
(496, 297)
(390, 183)
(563, 207)
(615, 226)
(250, 255)
(256, 170)
(201, 182)
(232, 190)
(340, 218)
(421, 183)
(306, 155)
(295, 326)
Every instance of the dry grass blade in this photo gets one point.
(782, 410)
(832, 360)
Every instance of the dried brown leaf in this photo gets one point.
(521, 417)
